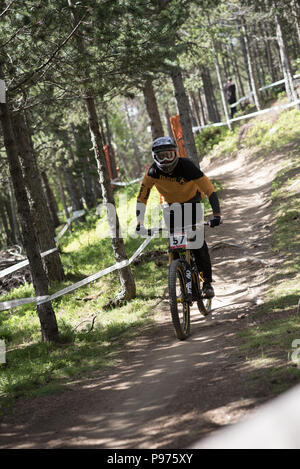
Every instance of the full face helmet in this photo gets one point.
(164, 152)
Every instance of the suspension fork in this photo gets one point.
(188, 276)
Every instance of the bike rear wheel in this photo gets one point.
(204, 306)
(180, 308)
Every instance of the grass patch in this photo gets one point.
(269, 349)
(265, 136)
(269, 341)
(274, 380)
(285, 198)
(217, 141)
(39, 368)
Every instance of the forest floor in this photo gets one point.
(165, 393)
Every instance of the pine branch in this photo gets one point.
(41, 67)
(7, 8)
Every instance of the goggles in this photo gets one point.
(166, 156)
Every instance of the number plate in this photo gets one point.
(178, 240)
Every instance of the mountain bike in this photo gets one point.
(185, 283)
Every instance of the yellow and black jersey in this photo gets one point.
(186, 183)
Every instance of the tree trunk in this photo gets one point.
(285, 61)
(41, 214)
(184, 112)
(110, 149)
(167, 120)
(262, 62)
(46, 314)
(126, 278)
(245, 59)
(270, 29)
(89, 194)
(218, 70)
(72, 186)
(85, 170)
(238, 74)
(257, 62)
(12, 216)
(217, 65)
(51, 200)
(152, 110)
(212, 110)
(123, 161)
(224, 58)
(193, 115)
(296, 16)
(268, 52)
(203, 108)
(62, 194)
(136, 152)
(252, 75)
(3, 214)
(196, 109)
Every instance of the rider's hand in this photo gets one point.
(215, 221)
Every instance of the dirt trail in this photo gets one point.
(165, 393)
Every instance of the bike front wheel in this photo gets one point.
(180, 308)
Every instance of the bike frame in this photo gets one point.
(190, 275)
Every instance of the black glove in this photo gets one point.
(215, 221)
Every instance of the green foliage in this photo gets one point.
(272, 333)
(297, 64)
(265, 136)
(219, 139)
(286, 201)
(208, 138)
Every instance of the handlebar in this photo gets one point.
(160, 230)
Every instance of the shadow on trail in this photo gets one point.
(164, 394)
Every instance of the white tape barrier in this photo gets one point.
(264, 111)
(279, 82)
(39, 300)
(115, 182)
(20, 265)
(70, 209)
(248, 116)
(44, 299)
(76, 214)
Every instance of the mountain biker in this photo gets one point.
(178, 180)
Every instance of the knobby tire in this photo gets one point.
(180, 309)
(204, 306)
